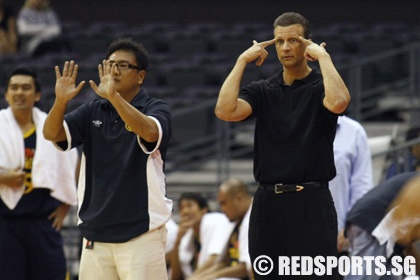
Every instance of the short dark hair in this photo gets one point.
(290, 18)
(129, 45)
(201, 201)
(26, 72)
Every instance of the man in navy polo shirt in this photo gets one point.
(124, 133)
(296, 114)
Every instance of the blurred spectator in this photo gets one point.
(407, 206)
(366, 214)
(403, 223)
(403, 230)
(39, 28)
(353, 163)
(235, 201)
(8, 30)
(200, 236)
(409, 161)
(37, 186)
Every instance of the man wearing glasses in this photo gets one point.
(122, 203)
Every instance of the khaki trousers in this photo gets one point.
(140, 258)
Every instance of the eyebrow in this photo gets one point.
(20, 84)
(120, 61)
(288, 38)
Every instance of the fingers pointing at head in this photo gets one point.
(263, 53)
(268, 43)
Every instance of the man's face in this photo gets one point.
(290, 49)
(21, 93)
(228, 205)
(128, 80)
(190, 211)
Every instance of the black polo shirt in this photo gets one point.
(122, 185)
(294, 132)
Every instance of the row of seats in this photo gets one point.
(183, 81)
(186, 58)
(179, 39)
(229, 40)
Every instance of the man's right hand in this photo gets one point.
(257, 52)
(65, 86)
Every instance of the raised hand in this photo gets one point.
(65, 85)
(313, 51)
(257, 52)
(106, 87)
(184, 225)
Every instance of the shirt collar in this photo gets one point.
(137, 101)
(339, 120)
(311, 78)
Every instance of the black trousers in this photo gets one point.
(292, 224)
(31, 249)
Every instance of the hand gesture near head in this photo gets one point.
(313, 51)
(184, 225)
(106, 87)
(257, 52)
(65, 85)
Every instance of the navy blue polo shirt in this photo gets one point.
(122, 186)
(294, 132)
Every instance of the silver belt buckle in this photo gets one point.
(277, 189)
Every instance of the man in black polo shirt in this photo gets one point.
(122, 203)
(296, 114)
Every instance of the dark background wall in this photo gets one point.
(184, 11)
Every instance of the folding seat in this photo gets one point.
(86, 44)
(188, 43)
(231, 43)
(181, 75)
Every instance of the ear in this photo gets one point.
(37, 96)
(239, 196)
(5, 95)
(142, 76)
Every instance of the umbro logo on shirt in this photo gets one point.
(97, 123)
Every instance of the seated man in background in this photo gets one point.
(364, 218)
(402, 223)
(39, 28)
(199, 242)
(235, 201)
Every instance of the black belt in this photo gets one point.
(283, 188)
